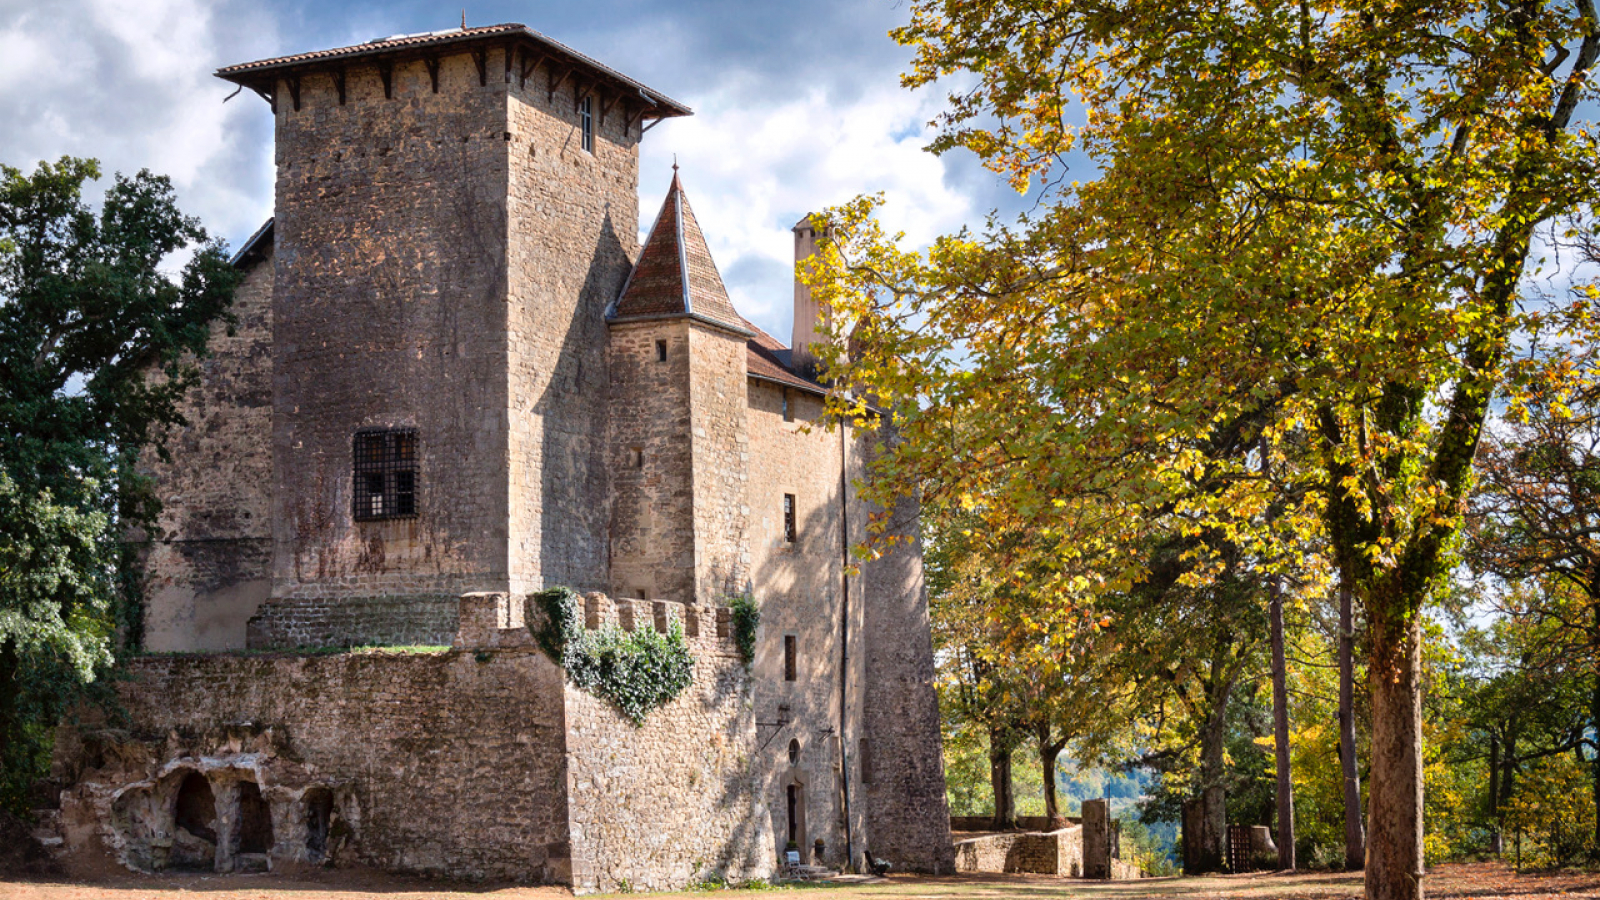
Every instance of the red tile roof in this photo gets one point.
(675, 274)
(767, 358)
(254, 73)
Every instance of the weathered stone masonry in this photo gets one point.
(458, 378)
(479, 762)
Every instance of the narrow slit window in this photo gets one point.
(661, 351)
(788, 408)
(586, 119)
(788, 518)
(385, 475)
(864, 755)
(788, 657)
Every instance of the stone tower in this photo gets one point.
(453, 213)
(455, 379)
(678, 407)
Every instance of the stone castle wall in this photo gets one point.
(720, 434)
(652, 536)
(208, 564)
(573, 224)
(446, 763)
(479, 762)
(676, 799)
(904, 770)
(800, 587)
(390, 312)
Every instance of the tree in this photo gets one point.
(1314, 216)
(1535, 519)
(1004, 673)
(96, 348)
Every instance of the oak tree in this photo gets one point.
(1311, 218)
(97, 345)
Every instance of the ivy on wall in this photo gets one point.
(746, 617)
(635, 671)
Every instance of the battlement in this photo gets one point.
(496, 620)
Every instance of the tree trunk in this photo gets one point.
(1049, 751)
(1280, 731)
(1594, 719)
(1497, 844)
(1355, 836)
(10, 719)
(1005, 800)
(1212, 841)
(1394, 852)
(1594, 764)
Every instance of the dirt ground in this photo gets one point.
(1489, 881)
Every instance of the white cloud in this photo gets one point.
(752, 172)
(790, 116)
(129, 82)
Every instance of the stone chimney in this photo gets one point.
(807, 314)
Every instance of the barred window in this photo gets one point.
(790, 530)
(586, 120)
(385, 474)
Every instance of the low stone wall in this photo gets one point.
(479, 762)
(446, 763)
(285, 623)
(1043, 853)
(1024, 823)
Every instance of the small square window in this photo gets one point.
(788, 518)
(661, 351)
(385, 475)
(586, 121)
(789, 650)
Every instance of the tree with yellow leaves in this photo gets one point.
(1309, 232)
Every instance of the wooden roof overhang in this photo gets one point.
(524, 52)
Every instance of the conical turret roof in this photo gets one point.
(675, 275)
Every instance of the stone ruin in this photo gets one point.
(230, 800)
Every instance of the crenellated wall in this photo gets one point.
(476, 762)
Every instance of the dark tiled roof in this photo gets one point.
(675, 275)
(255, 73)
(768, 359)
(254, 245)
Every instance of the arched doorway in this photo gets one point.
(194, 818)
(319, 818)
(255, 820)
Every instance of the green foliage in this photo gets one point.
(1308, 237)
(1143, 847)
(563, 621)
(97, 345)
(746, 619)
(635, 671)
(1554, 814)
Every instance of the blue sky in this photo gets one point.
(797, 106)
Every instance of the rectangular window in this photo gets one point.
(788, 518)
(586, 119)
(661, 351)
(788, 410)
(788, 657)
(636, 457)
(385, 474)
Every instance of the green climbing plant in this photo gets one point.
(636, 671)
(746, 617)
